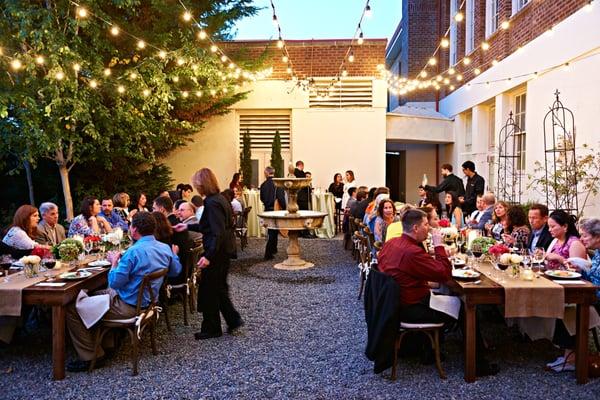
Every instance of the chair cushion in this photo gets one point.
(406, 325)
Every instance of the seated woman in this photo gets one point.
(121, 203)
(138, 203)
(163, 231)
(88, 222)
(516, 232)
(495, 227)
(386, 215)
(371, 211)
(337, 189)
(590, 238)
(23, 231)
(566, 241)
(453, 211)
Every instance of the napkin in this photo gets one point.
(449, 305)
(51, 284)
(565, 282)
(91, 308)
(581, 263)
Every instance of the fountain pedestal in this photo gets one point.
(293, 220)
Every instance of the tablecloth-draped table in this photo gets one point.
(323, 202)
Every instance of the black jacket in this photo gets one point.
(303, 193)
(216, 225)
(544, 240)
(451, 183)
(382, 314)
(268, 194)
(475, 186)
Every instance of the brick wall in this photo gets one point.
(530, 22)
(312, 58)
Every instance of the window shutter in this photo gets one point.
(262, 128)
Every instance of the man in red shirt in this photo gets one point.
(404, 259)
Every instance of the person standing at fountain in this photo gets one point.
(270, 197)
(303, 195)
(216, 226)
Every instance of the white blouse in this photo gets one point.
(18, 238)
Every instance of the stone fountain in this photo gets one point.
(293, 220)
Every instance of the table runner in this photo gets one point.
(11, 292)
(538, 298)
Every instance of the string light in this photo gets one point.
(198, 93)
(280, 43)
(114, 30)
(187, 16)
(141, 44)
(175, 79)
(485, 46)
(360, 38)
(214, 48)
(162, 54)
(82, 12)
(285, 59)
(494, 62)
(76, 67)
(588, 7)
(185, 94)
(223, 58)
(368, 12)
(121, 89)
(16, 64)
(466, 61)
(477, 71)
(202, 34)
(180, 61)
(505, 25)
(432, 61)
(351, 57)
(459, 17)
(40, 60)
(59, 75)
(93, 84)
(146, 92)
(445, 43)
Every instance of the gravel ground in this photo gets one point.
(304, 338)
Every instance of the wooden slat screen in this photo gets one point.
(344, 94)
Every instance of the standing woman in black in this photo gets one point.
(216, 228)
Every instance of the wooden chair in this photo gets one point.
(185, 290)
(144, 318)
(365, 261)
(241, 227)
(433, 333)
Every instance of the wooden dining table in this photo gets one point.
(58, 298)
(490, 292)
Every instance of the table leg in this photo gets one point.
(58, 342)
(470, 334)
(581, 346)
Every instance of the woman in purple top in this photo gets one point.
(566, 242)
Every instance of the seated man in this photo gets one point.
(50, 232)
(405, 260)
(112, 216)
(488, 202)
(147, 255)
(187, 213)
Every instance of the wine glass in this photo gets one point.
(539, 255)
(88, 246)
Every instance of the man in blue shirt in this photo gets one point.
(113, 217)
(147, 255)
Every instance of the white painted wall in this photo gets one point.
(575, 40)
(327, 140)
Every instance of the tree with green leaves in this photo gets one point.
(246, 158)
(118, 87)
(276, 158)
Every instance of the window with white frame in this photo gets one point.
(491, 158)
(453, 53)
(520, 142)
(492, 128)
(468, 132)
(517, 5)
(492, 16)
(470, 27)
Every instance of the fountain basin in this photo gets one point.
(301, 220)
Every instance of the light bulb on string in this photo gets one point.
(549, 32)
(198, 93)
(146, 92)
(459, 77)
(213, 92)
(466, 61)
(162, 54)
(505, 25)
(59, 76)
(202, 34)
(133, 76)
(275, 21)
(423, 74)
(175, 79)
(223, 58)
(451, 87)
(93, 84)
(280, 43)
(360, 38)
(16, 64)
(451, 71)
(285, 59)
(438, 78)
(344, 73)
(588, 7)
(351, 57)
(459, 17)
(485, 46)
(82, 12)
(477, 71)
(445, 43)
(185, 94)
(225, 90)
(231, 66)
(141, 44)
(114, 30)
(446, 81)
(180, 61)
(566, 67)
(214, 48)
(187, 16)
(432, 61)
(107, 72)
(121, 89)
(76, 67)
(40, 60)
(368, 12)
(494, 62)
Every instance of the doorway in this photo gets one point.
(395, 174)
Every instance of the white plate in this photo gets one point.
(465, 274)
(75, 275)
(560, 274)
(18, 264)
(100, 263)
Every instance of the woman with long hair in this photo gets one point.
(516, 231)
(386, 215)
(337, 189)
(566, 243)
(163, 231)
(236, 182)
(89, 222)
(23, 231)
(138, 203)
(452, 209)
(216, 226)
(495, 227)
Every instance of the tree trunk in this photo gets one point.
(64, 178)
(27, 166)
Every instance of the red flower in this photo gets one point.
(91, 238)
(444, 223)
(41, 252)
(498, 249)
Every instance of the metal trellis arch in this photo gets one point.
(509, 159)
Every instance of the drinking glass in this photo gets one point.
(539, 255)
(88, 246)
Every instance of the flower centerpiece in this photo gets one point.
(481, 245)
(448, 232)
(69, 249)
(113, 239)
(41, 252)
(31, 265)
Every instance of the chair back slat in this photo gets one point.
(146, 285)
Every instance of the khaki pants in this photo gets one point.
(83, 338)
